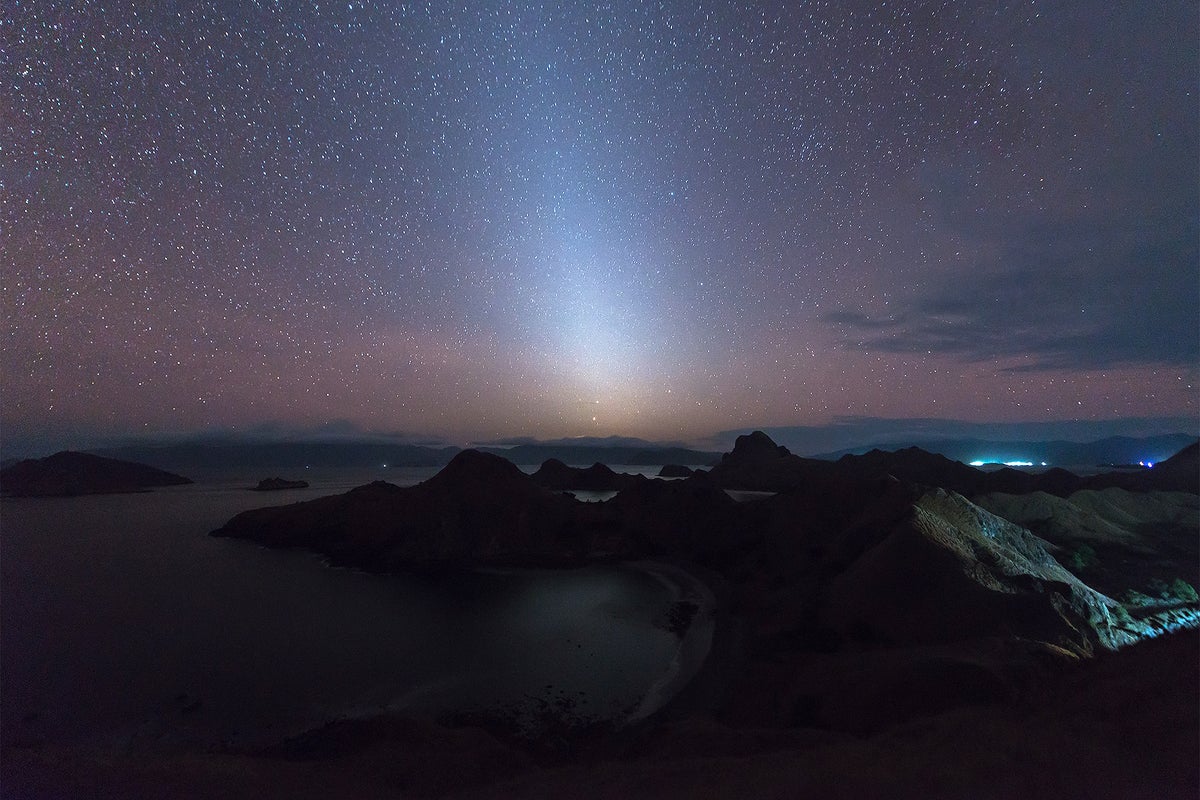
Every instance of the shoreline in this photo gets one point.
(695, 681)
(675, 693)
(683, 691)
(705, 690)
(695, 677)
(695, 642)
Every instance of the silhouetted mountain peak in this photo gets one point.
(755, 448)
(376, 487)
(1187, 458)
(554, 474)
(471, 468)
(909, 463)
(906, 455)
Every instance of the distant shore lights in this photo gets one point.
(980, 463)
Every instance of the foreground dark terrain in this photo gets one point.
(893, 624)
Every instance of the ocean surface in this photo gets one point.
(124, 624)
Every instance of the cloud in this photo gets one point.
(1068, 295)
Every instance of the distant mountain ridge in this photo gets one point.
(844, 433)
(646, 454)
(1103, 452)
(201, 456)
(632, 442)
(208, 456)
(756, 463)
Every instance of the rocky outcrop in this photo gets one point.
(554, 474)
(1126, 544)
(838, 561)
(479, 509)
(950, 571)
(757, 463)
(67, 474)
(676, 471)
(1099, 518)
(880, 563)
(277, 484)
(869, 602)
(860, 600)
(754, 448)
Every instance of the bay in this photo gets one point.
(122, 623)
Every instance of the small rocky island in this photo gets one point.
(69, 473)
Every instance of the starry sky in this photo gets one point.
(659, 219)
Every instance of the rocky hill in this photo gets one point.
(887, 625)
(846, 557)
(479, 509)
(554, 474)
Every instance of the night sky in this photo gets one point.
(655, 219)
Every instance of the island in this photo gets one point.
(69, 474)
(891, 624)
(856, 578)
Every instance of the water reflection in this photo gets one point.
(122, 620)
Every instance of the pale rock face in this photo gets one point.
(953, 571)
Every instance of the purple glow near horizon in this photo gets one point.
(491, 219)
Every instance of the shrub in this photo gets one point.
(1082, 557)
(1132, 597)
(1159, 588)
(1184, 591)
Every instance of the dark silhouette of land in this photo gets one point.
(1108, 451)
(68, 474)
(886, 625)
(208, 457)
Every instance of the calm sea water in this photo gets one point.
(122, 622)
